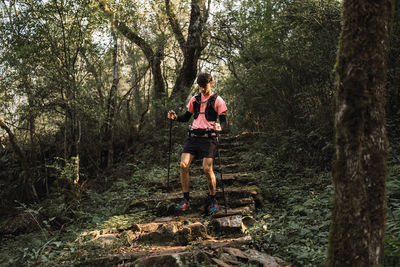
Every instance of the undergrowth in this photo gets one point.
(392, 237)
(294, 220)
(52, 244)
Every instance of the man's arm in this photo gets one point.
(181, 118)
(222, 121)
(219, 127)
(185, 117)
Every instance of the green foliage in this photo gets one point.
(295, 222)
(312, 150)
(392, 235)
(63, 228)
(282, 58)
(65, 170)
(10, 169)
(296, 214)
(34, 248)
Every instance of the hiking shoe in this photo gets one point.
(213, 207)
(183, 205)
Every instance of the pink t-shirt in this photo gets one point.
(201, 122)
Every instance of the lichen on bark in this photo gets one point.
(359, 171)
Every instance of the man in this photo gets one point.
(202, 141)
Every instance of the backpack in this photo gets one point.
(210, 113)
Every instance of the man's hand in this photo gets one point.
(217, 127)
(172, 115)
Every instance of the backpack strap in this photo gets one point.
(196, 105)
(211, 114)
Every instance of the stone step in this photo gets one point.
(230, 212)
(239, 178)
(230, 152)
(242, 137)
(165, 203)
(191, 216)
(227, 177)
(229, 225)
(227, 159)
(182, 232)
(170, 231)
(224, 160)
(130, 255)
(199, 181)
(198, 207)
(226, 168)
(231, 145)
(226, 252)
(234, 179)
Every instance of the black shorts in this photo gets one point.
(201, 147)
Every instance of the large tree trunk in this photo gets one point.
(394, 67)
(191, 48)
(359, 214)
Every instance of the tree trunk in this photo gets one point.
(359, 171)
(108, 133)
(29, 190)
(77, 157)
(154, 58)
(31, 120)
(96, 75)
(191, 48)
(186, 77)
(393, 93)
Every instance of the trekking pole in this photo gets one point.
(220, 171)
(169, 152)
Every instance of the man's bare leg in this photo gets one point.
(209, 172)
(186, 160)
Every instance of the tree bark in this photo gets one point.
(31, 118)
(359, 171)
(394, 67)
(108, 132)
(191, 48)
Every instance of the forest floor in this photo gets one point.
(275, 216)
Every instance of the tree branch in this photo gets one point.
(92, 69)
(28, 182)
(175, 25)
(128, 33)
(14, 145)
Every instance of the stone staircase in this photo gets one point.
(193, 239)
